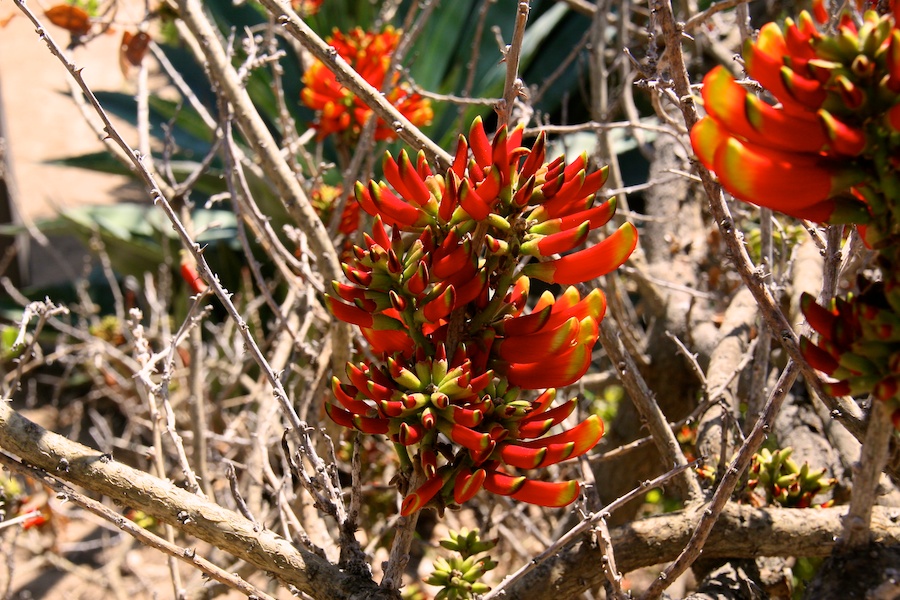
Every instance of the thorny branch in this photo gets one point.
(310, 571)
(188, 555)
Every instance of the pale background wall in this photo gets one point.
(42, 123)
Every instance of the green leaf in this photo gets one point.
(207, 184)
(125, 107)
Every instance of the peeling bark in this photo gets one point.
(187, 512)
(741, 532)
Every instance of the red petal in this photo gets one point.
(502, 484)
(467, 484)
(538, 346)
(846, 140)
(781, 181)
(481, 146)
(346, 395)
(557, 371)
(529, 426)
(534, 159)
(547, 493)
(393, 210)
(817, 358)
(596, 217)
(392, 173)
(590, 263)
(441, 306)
(416, 500)
(819, 318)
(389, 342)
(477, 207)
(522, 457)
(461, 158)
(409, 434)
(526, 324)
(418, 192)
(764, 61)
(349, 420)
(349, 314)
(572, 305)
(747, 116)
(585, 436)
(557, 243)
(464, 436)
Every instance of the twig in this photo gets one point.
(583, 527)
(513, 84)
(170, 504)
(258, 135)
(144, 536)
(299, 428)
(729, 480)
(699, 18)
(844, 410)
(663, 437)
(691, 358)
(197, 406)
(144, 359)
(866, 473)
(769, 531)
(356, 84)
(43, 311)
(471, 66)
(236, 493)
(404, 529)
(613, 577)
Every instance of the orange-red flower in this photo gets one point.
(339, 110)
(306, 8)
(441, 269)
(859, 343)
(827, 150)
(483, 428)
(324, 199)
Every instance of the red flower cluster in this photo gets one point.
(306, 8)
(340, 111)
(442, 299)
(829, 151)
(324, 198)
(859, 343)
(835, 125)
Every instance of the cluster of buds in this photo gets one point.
(786, 484)
(442, 299)
(339, 110)
(306, 8)
(859, 344)
(458, 577)
(828, 151)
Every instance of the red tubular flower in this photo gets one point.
(859, 343)
(593, 262)
(340, 111)
(830, 132)
(306, 8)
(542, 493)
(324, 198)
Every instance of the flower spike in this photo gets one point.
(440, 302)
